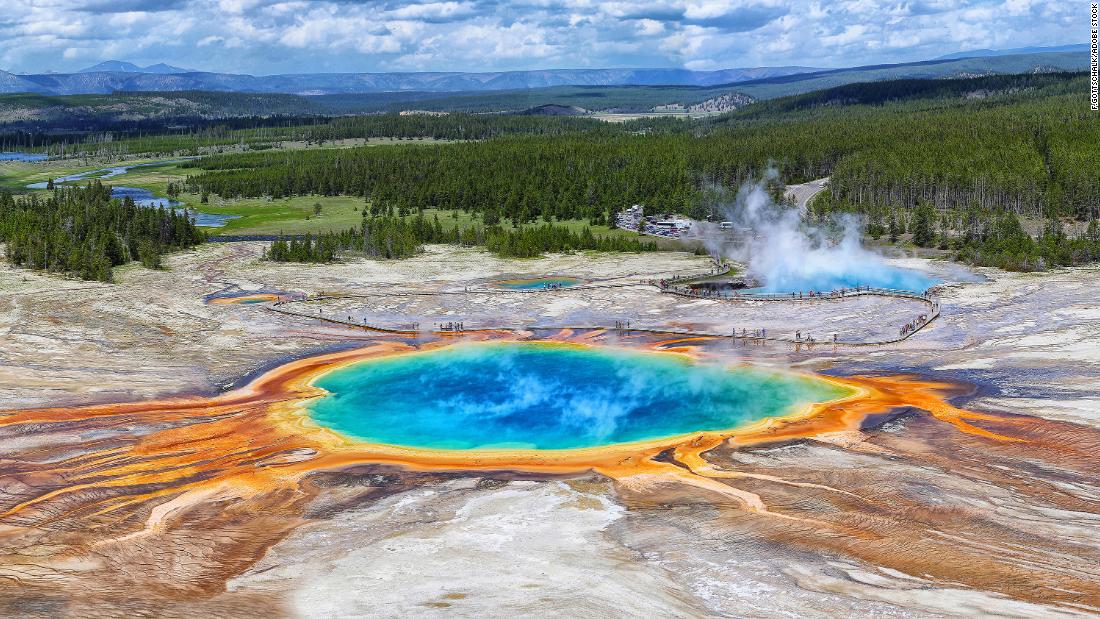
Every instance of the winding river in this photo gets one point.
(140, 195)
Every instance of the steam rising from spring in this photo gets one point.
(786, 253)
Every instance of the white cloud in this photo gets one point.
(650, 27)
(433, 11)
(851, 34)
(270, 36)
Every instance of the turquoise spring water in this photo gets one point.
(825, 280)
(535, 284)
(549, 396)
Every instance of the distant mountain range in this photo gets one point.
(117, 76)
(869, 85)
(985, 53)
(1015, 51)
(119, 66)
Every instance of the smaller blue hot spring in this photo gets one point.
(873, 275)
(540, 283)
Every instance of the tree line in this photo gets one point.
(1000, 240)
(193, 135)
(393, 237)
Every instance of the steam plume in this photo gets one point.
(786, 253)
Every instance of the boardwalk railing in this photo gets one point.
(742, 295)
(725, 269)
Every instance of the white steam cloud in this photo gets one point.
(788, 254)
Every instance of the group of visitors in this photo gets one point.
(718, 292)
(910, 327)
(831, 294)
(809, 339)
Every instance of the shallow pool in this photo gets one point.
(538, 283)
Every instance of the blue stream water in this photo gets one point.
(141, 196)
(6, 156)
(549, 396)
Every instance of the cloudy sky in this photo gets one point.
(264, 37)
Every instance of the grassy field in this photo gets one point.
(295, 215)
(16, 175)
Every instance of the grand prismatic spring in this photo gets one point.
(547, 396)
(565, 403)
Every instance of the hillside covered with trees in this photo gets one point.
(1024, 150)
(191, 135)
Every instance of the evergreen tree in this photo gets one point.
(923, 233)
(895, 229)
